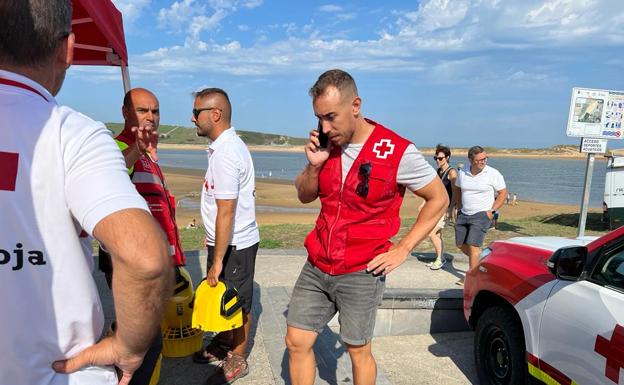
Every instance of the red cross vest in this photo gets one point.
(150, 183)
(351, 229)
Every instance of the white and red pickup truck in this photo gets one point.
(549, 309)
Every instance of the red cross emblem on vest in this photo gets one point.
(613, 351)
(8, 170)
(383, 148)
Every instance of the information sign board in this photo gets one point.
(594, 145)
(596, 114)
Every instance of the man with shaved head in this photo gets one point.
(229, 216)
(138, 141)
(360, 176)
(63, 180)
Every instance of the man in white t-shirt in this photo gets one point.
(229, 214)
(62, 179)
(476, 188)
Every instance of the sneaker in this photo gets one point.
(429, 264)
(438, 264)
(229, 370)
(213, 352)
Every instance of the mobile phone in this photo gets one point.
(323, 138)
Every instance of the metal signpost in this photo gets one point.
(595, 116)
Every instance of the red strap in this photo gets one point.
(21, 85)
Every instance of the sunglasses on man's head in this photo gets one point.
(363, 174)
(438, 157)
(197, 111)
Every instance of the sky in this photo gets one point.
(460, 72)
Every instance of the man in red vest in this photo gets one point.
(360, 178)
(138, 142)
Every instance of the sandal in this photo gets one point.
(213, 352)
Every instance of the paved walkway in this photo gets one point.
(444, 358)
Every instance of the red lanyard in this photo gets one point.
(13, 83)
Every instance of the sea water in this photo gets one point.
(534, 179)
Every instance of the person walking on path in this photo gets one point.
(360, 178)
(62, 179)
(448, 175)
(138, 142)
(229, 216)
(476, 185)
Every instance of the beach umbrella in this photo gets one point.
(100, 39)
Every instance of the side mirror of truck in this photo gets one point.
(567, 263)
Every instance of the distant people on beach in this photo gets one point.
(508, 199)
(229, 217)
(192, 224)
(62, 171)
(514, 200)
(360, 176)
(448, 175)
(476, 186)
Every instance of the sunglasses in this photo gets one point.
(482, 160)
(363, 174)
(439, 157)
(197, 111)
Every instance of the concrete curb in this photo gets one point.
(421, 256)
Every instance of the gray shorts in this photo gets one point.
(471, 229)
(317, 297)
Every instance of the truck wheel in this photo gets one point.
(499, 348)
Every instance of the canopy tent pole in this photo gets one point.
(125, 74)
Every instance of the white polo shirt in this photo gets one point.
(230, 175)
(477, 191)
(60, 173)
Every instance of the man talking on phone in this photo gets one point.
(360, 178)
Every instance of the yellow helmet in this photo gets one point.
(217, 308)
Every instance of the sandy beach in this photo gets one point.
(277, 202)
(457, 152)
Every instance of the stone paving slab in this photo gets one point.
(402, 360)
(333, 363)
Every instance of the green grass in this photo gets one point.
(562, 225)
(271, 236)
(291, 236)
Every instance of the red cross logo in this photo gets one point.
(383, 148)
(613, 351)
(8, 170)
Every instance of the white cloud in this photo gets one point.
(449, 41)
(178, 15)
(437, 14)
(202, 22)
(330, 8)
(131, 11)
(252, 3)
(194, 17)
(346, 16)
